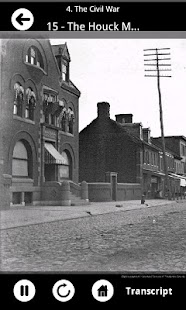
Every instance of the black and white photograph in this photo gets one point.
(93, 155)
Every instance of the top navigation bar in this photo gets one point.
(93, 17)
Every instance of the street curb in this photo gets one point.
(89, 214)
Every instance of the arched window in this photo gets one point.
(64, 69)
(70, 118)
(58, 112)
(20, 161)
(62, 119)
(49, 108)
(18, 99)
(65, 170)
(34, 57)
(30, 103)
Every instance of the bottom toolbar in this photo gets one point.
(91, 288)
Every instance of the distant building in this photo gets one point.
(39, 121)
(177, 144)
(177, 147)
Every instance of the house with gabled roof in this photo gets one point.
(121, 152)
(103, 148)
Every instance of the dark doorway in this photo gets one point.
(50, 172)
(28, 198)
(114, 187)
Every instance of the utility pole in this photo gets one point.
(155, 66)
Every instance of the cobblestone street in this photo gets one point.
(152, 239)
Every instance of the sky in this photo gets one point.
(112, 70)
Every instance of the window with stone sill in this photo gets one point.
(65, 170)
(21, 160)
(71, 121)
(18, 99)
(183, 150)
(49, 106)
(30, 104)
(64, 70)
(146, 159)
(62, 119)
(57, 114)
(66, 120)
(34, 57)
(182, 168)
(161, 163)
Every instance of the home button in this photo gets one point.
(102, 290)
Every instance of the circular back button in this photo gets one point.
(22, 19)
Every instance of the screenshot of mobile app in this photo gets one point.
(92, 152)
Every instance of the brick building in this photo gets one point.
(176, 146)
(39, 121)
(124, 149)
(110, 154)
(103, 148)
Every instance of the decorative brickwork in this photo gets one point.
(24, 79)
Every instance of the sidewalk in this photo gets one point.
(22, 216)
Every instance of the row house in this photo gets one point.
(153, 172)
(176, 145)
(152, 176)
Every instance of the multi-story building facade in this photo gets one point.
(127, 149)
(152, 174)
(106, 146)
(39, 121)
(177, 146)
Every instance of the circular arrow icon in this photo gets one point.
(59, 291)
(22, 19)
(63, 290)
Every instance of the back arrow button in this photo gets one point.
(22, 19)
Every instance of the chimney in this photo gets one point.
(146, 134)
(124, 118)
(103, 109)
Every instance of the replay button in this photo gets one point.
(63, 290)
(22, 19)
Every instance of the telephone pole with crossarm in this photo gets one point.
(157, 65)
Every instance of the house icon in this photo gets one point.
(102, 291)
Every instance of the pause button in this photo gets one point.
(24, 290)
